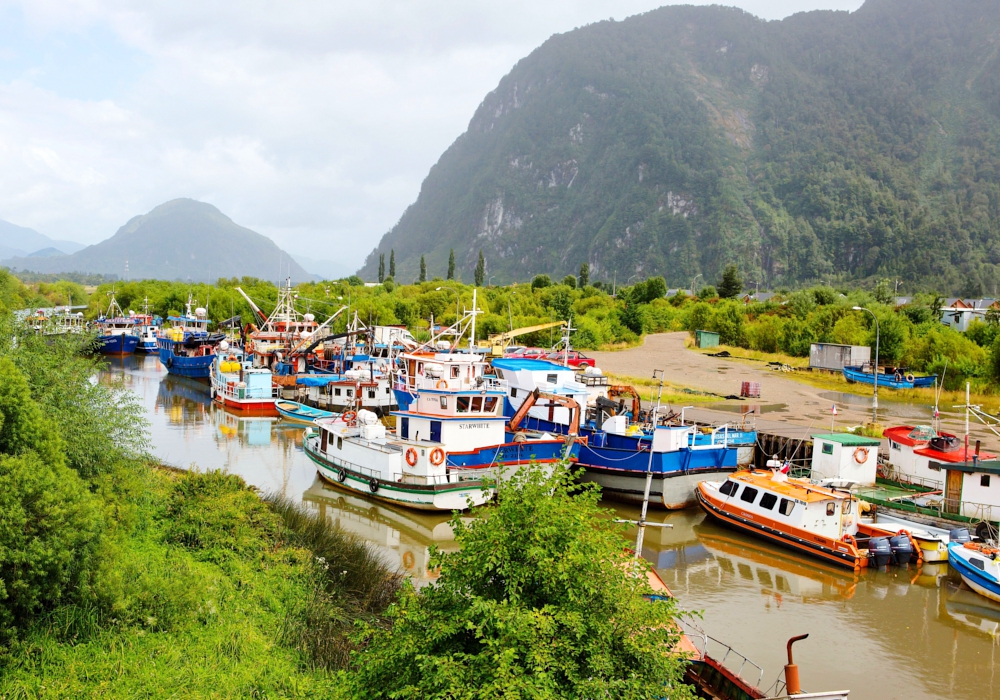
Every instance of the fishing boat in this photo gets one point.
(619, 451)
(978, 564)
(238, 385)
(295, 411)
(116, 332)
(186, 347)
(889, 377)
(444, 448)
(148, 327)
(814, 520)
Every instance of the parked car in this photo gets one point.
(572, 358)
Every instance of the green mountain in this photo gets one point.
(827, 146)
(181, 239)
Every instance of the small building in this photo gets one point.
(833, 357)
(706, 339)
(845, 456)
(959, 313)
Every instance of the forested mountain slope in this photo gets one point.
(827, 146)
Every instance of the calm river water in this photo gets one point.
(898, 634)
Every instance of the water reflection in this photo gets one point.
(901, 633)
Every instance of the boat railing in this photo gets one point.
(454, 475)
(721, 653)
(935, 503)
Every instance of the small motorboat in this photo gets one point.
(890, 377)
(293, 410)
(978, 564)
(932, 541)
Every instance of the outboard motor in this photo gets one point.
(902, 549)
(960, 535)
(879, 552)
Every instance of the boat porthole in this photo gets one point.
(342, 475)
(373, 485)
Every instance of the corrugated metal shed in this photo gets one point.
(835, 357)
(706, 339)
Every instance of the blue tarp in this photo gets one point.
(519, 363)
(318, 379)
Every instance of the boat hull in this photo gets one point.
(439, 497)
(294, 411)
(672, 491)
(855, 375)
(979, 581)
(194, 367)
(122, 344)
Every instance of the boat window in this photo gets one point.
(454, 371)
(336, 392)
(828, 448)
(340, 443)
(894, 445)
(831, 508)
(984, 480)
(462, 404)
(404, 428)
(513, 393)
(978, 563)
(768, 500)
(387, 390)
(490, 404)
(551, 378)
(729, 488)
(477, 404)
(371, 393)
(786, 506)
(499, 373)
(749, 494)
(350, 392)
(444, 402)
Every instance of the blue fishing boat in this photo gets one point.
(293, 410)
(147, 327)
(890, 377)
(979, 566)
(117, 334)
(186, 348)
(616, 454)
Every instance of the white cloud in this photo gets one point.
(312, 122)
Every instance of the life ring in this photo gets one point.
(411, 457)
(437, 456)
(348, 416)
(848, 538)
(861, 455)
(373, 485)
(408, 560)
(909, 377)
(341, 475)
(441, 384)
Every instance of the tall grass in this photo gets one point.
(353, 583)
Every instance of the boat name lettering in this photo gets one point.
(472, 426)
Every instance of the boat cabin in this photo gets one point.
(845, 457)
(523, 376)
(913, 449)
(971, 489)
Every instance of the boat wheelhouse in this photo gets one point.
(617, 451)
(450, 440)
(186, 347)
(281, 334)
(148, 327)
(238, 385)
(116, 332)
(814, 520)
(916, 453)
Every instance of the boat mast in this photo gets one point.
(649, 475)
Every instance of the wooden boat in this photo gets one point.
(293, 410)
(979, 566)
(812, 519)
(889, 377)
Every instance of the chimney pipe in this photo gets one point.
(792, 685)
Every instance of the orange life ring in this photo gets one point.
(348, 416)
(849, 539)
(441, 384)
(411, 456)
(437, 456)
(863, 452)
(408, 560)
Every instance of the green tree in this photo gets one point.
(392, 263)
(451, 264)
(584, 275)
(423, 269)
(480, 274)
(708, 292)
(731, 284)
(569, 281)
(542, 600)
(541, 281)
(381, 267)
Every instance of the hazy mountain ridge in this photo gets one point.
(180, 239)
(20, 241)
(828, 145)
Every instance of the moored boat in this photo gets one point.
(932, 541)
(186, 347)
(148, 327)
(812, 519)
(979, 566)
(888, 377)
(295, 411)
(238, 385)
(116, 333)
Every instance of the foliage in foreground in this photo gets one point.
(542, 601)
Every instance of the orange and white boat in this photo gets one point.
(812, 519)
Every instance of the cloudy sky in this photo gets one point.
(311, 122)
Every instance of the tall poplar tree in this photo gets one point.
(451, 264)
(381, 267)
(584, 275)
(480, 269)
(392, 263)
(423, 269)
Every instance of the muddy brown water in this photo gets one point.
(914, 633)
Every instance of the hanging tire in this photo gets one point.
(341, 475)
(983, 531)
(373, 485)
(170, 361)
